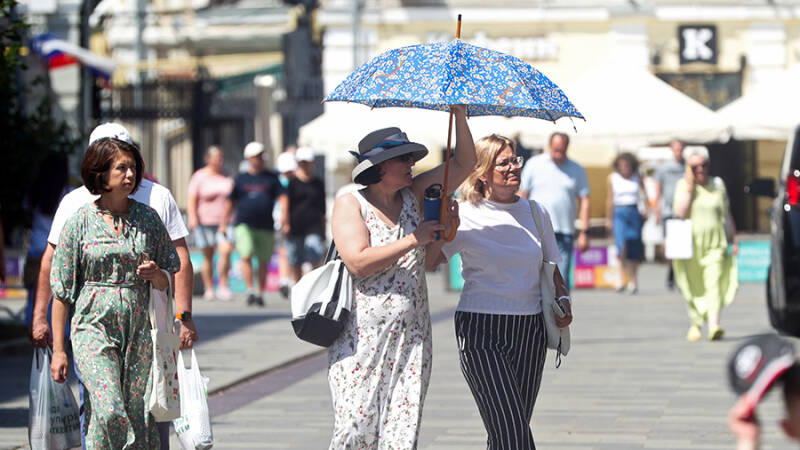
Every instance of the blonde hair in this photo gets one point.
(473, 189)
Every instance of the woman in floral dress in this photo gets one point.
(107, 253)
(378, 369)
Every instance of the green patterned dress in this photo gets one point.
(94, 272)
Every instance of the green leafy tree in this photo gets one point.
(27, 132)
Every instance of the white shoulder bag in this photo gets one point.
(558, 339)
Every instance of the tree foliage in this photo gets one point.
(27, 132)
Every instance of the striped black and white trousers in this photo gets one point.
(502, 358)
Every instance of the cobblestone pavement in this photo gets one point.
(630, 381)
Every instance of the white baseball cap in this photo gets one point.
(253, 149)
(286, 163)
(110, 130)
(304, 154)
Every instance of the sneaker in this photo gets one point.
(694, 334)
(285, 290)
(259, 300)
(632, 289)
(224, 294)
(208, 294)
(715, 334)
(251, 299)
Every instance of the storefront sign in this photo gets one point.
(698, 43)
(525, 48)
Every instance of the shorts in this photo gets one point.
(207, 236)
(253, 242)
(302, 249)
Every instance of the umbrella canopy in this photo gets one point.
(628, 107)
(770, 111)
(435, 76)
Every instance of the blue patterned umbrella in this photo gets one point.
(435, 76)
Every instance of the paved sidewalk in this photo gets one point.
(631, 381)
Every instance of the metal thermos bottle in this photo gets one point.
(433, 203)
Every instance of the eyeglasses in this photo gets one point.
(506, 164)
(704, 165)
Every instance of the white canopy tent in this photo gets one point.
(770, 111)
(342, 125)
(625, 107)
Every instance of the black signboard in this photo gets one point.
(698, 43)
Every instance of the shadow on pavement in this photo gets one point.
(13, 417)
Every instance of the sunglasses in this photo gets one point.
(704, 165)
(405, 157)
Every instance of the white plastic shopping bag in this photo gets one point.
(53, 420)
(194, 426)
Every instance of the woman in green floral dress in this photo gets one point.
(107, 253)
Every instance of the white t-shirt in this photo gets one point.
(625, 190)
(151, 194)
(501, 256)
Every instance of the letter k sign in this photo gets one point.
(696, 44)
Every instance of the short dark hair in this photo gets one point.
(369, 176)
(626, 156)
(559, 133)
(97, 161)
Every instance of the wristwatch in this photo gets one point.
(184, 316)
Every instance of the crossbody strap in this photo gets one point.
(332, 252)
(537, 218)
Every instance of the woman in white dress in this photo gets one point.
(378, 369)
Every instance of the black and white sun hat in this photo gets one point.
(382, 145)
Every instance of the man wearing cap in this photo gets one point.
(157, 197)
(306, 232)
(254, 195)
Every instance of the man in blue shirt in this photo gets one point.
(667, 176)
(561, 185)
(254, 195)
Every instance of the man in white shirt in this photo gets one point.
(561, 185)
(154, 195)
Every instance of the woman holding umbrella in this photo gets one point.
(378, 369)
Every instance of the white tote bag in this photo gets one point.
(678, 243)
(558, 339)
(164, 397)
(193, 427)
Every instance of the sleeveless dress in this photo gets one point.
(379, 367)
(709, 280)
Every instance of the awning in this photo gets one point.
(770, 111)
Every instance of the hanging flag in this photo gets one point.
(60, 53)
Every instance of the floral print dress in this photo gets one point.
(94, 271)
(379, 367)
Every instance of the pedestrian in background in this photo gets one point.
(562, 187)
(305, 241)
(209, 189)
(624, 219)
(286, 165)
(380, 366)
(254, 195)
(48, 188)
(499, 324)
(708, 281)
(109, 253)
(667, 176)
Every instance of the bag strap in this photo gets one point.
(332, 252)
(170, 311)
(537, 218)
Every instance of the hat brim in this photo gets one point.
(418, 152)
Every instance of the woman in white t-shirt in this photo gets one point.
(499, 323)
